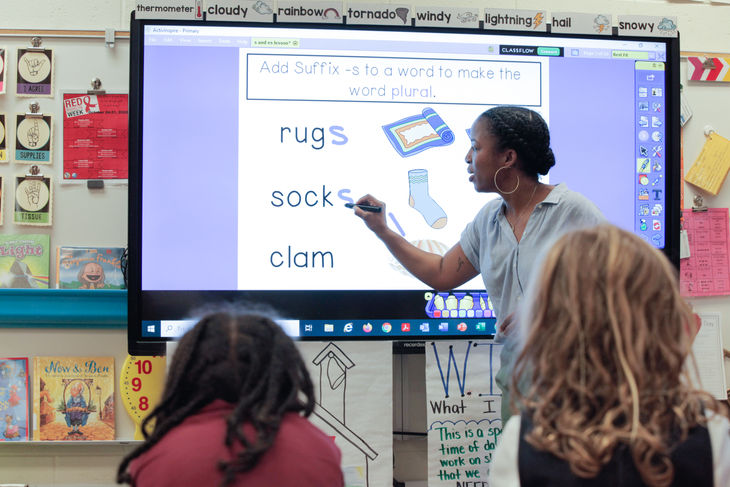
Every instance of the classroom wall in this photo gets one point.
(703, 24)
(703, 28)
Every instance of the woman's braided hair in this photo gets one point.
(246, 360)
(524, 131)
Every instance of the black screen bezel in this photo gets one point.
(355, 303)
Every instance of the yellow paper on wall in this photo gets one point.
(709, 170)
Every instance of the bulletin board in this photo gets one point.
(710, 104)
(81, 216)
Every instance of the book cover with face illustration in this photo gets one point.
(73, 398)
(89, 268)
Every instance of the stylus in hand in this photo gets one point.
(370, 208)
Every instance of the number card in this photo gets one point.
(35, 72)
(33, 139)
(33, 200)
(140, 385)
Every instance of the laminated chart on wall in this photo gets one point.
(3, 139)
(710, 168)
(35, 71)
(463, 419)
(419, 132)
(33, 200)
(707, 271)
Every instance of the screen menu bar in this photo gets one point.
(399, 329)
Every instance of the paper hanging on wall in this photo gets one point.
(463, 420)
(3, 139)
(353, 404)
(710, 168)
(33, 201)
(95, 136)
(35, 72)
(706, 272)
(33, 139)
(686, 110)
(707, 348)
(3, 68)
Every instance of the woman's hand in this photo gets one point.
(374, 221)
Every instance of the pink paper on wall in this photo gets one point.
(707, 271)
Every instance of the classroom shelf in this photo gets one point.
(63, 308)
(112, 443)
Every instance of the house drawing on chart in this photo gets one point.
(333, 365)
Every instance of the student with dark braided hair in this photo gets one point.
(510, 147)
(234, 413)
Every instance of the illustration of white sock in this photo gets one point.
(422, 201)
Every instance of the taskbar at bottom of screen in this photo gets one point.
(397, 329)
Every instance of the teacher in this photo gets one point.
(510, 147)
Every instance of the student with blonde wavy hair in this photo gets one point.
(606, 343)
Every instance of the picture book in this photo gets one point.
(73, 398)
(24, 261)
(89, 268)
(14, 399)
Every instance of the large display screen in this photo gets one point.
(247, 141)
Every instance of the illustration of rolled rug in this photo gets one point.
(417, 133)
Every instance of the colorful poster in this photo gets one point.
(24, 261)
(73, 398)
(14, 399)
(33, 139)
(3, 69)
(463, 419)
(89, 268)
(3, 139)
(35, 72)
(95, 136)
(707, 271)
(353, 384)
(33, 201)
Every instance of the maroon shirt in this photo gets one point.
(301, 456)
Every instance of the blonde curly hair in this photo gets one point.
(607, 338)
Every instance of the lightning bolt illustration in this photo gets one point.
(538, 20)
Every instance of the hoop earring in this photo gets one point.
(497, 185)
